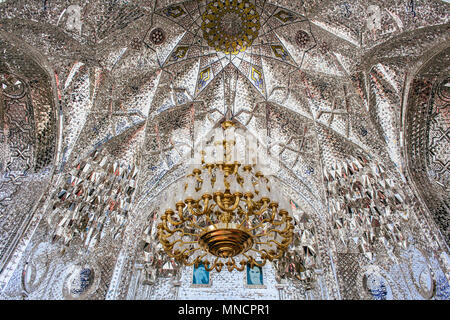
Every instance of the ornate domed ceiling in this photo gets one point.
(103, 102)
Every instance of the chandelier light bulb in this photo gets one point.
(235, 187)
(218, 135)
(220, 151)
(263, 191)
(206, 184)
(197, 161)
(209, 154)
(230, 134)
(179, 195)
(190, 190)
(219, 185)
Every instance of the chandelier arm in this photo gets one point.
(265, 253)
(184, 242)
(240, 268)
(190, 251)
(197, 260)
(262, 253)
(166, 228)
(257, 226)
(260, 264)
(231, 264)
(184, 233)
(202, 256)
(276, 242)
(236, 203)
(278, 223)
(249, 203)
(197, 226)
(172, 244)
(220, 204)
(278, 255)
(262, 210)
(208, 213)
(209, 269)
(261, 234)
(198, 213)
(180, 213)
(192, 211)
(261, 223)
(243, 220)
(207, 203)
(281, 232)
(286, 228)
(172, 222)
(274, 213)
(217, 265)
(207, 217)
(249, 259)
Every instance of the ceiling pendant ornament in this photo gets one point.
(367, 207)
(301, 263)
(230, 26)
(94, 201)
(156, 263)
(226, 212)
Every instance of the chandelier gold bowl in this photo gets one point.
(225, 212)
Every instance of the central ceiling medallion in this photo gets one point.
(226, 212)
(230, 26)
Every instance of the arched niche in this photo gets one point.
(151, 194)
(427, 136)
(28, 137)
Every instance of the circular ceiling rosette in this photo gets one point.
(230, 26)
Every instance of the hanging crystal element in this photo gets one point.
(365, 205)
(218, 135)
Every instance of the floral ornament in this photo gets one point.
(302, 38)
(135, 44)
(323, 47)
(157, 36)
(12, 86)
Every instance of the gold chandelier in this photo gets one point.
(225, 213)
